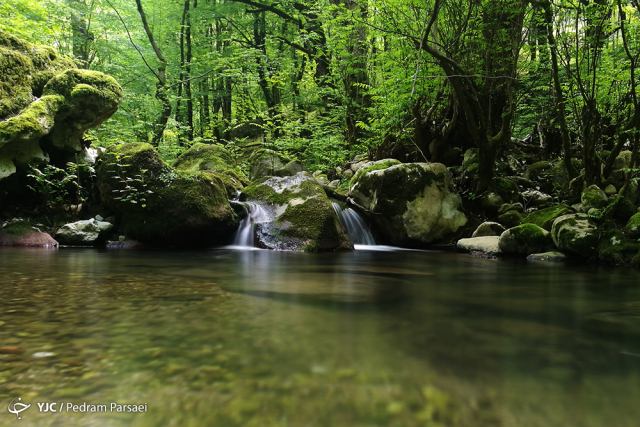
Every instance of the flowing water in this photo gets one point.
(246, 234)
(356, 227)
(260, 338)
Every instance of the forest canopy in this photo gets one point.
(327, 79)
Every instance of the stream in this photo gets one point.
(261, 338)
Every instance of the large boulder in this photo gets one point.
(46, 104)
(487, 245)
(576, 234)
(83, 233)
(159, 205)
(23, 234)
(525, 239)
(411, 203)
(593, 197)
(303, 218)
(216, 160)
(265, 162)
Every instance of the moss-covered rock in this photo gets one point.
(633, 226)
(507, 188)
(593, 197)
(158, 205)
(525, 239)
(46, 103)
(617, 249)
(510, 218)
(264, 163)
(377, 165)
(544, 218)
(409, 203)
(304, 217)
(576, 234)
(217, 161)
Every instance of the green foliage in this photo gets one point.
(58, 188)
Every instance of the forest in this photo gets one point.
(320, 212)
(522, 111)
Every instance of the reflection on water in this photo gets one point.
(258, 338)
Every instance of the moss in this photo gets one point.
(576, 234)
(506, 188)
(15, 84)
(539, 170)
(525, 239)
(216, 160)
(471, 161)
(544, 218)
(19, 228)
(633, 226)
(593, 197)
(616, 249)
(166, 206)
(374, 166)
(510, 218)
(33, 123)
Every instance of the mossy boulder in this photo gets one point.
(633, 226)
(411, 203)
(510, 218)
(593, 197)
(544, 218)
(377, 165)
(158, 205)
(83, 233)
(617, 249)
(265, 162)
(525, 239)
(46, 104)
(576, 234)
(304, 218)
(216, 160)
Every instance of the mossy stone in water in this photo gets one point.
(525, 239)
(158, 205)
(544, 217)
(411, 203)
(304, 217)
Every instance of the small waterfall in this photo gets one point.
(256, 214)
(355, 225)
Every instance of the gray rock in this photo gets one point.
(488, 228)
(487, 245)
(536, 198)
(83, 233)
(410, 202)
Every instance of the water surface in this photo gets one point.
(371, 338)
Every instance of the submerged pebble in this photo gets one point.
(43, 354)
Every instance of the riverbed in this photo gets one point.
(370, 338)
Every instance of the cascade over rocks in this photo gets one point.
(46, 103)
(159, 205)
(303, 219)
(411, 203)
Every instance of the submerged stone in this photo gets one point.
(552, 256)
